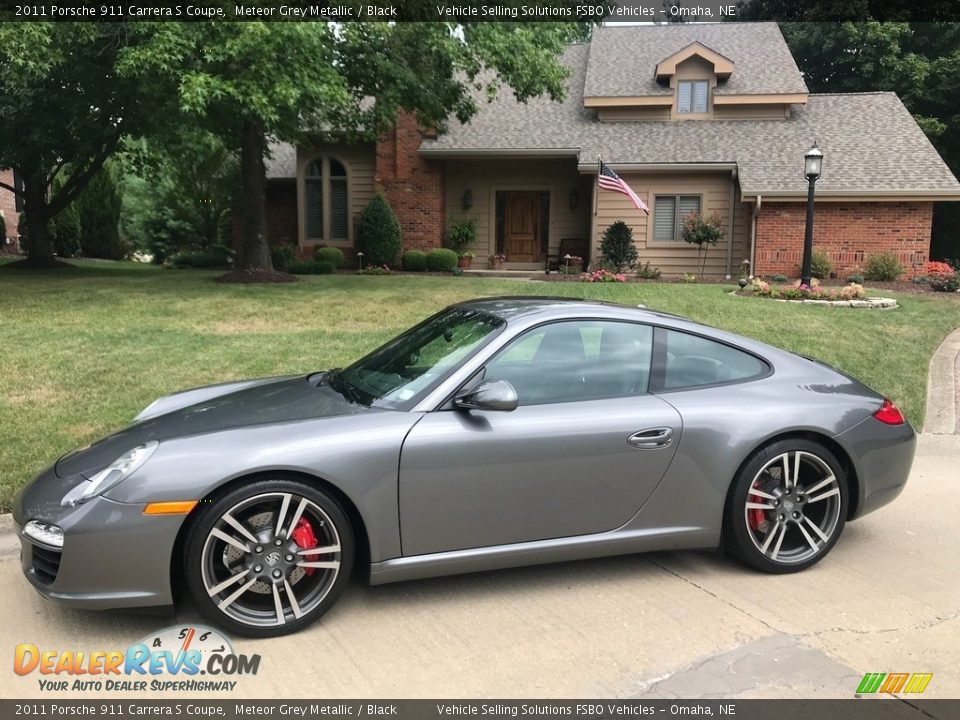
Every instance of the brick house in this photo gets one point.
(713, 118)
(10, 207)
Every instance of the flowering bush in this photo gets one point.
(374, 270)
(942, 277)
(935, 267)
(602, 276)
(758, 287)
(702, 232)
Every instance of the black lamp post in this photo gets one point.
(812, 165)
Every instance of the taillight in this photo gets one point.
(889, 414)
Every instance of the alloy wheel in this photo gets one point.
(793, 507)
(271, 559)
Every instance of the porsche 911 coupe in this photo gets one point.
(496, 433)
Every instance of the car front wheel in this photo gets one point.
(787, 507)
(269, 557)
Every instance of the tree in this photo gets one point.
(64, 103)
(249, 82)
(616, 246)
(378, 233)
(98, 209)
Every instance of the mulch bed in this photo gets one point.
(256, 276)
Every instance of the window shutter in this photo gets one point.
(700, 97)
(338, 208)
(664, 218)
(684, 90)
(313, 192)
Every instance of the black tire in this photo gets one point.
(746, 541)
(334, 523)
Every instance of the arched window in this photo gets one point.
(325, 200)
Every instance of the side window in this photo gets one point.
(576, 360)
(692, 360)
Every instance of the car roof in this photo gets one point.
(514, 307)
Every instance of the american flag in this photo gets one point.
(609, 180)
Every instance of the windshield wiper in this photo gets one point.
(341, 385)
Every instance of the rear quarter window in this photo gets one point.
(693, 361)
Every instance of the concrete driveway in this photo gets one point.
(658, 626)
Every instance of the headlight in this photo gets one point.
(122, 467)
(44, 533)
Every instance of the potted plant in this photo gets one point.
(465, 259)
(494, 262)
(460, 235)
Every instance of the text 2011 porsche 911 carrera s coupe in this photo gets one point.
(499, 432)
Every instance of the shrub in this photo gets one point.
(703, 233)
(856, 278)
(3, 228)
(441, 260)
(282, 256)
(820, 265)
(311, 267)
(65, 232)
(945, 283)
(332, 255)
(216, 257)
(460, 234)
(645, 272)
(778, 278)
(378, 233)
(935, 267)
(22, 231)
(883, 267)
(99, 209)
(616, 246)
(414, 261)
(573, 266)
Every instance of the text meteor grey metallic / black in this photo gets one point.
(499, 432)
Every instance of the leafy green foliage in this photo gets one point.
(414, 261)
(883, 267)
(856, 278)
(216, 257)
(702, 232)
(65, 232)
(378, 233)
(98, 208)
(945, 283)
(820, 265)
(616, 246)
(645, 272)
(778, 278)
(311, 267)
(331, 255)
(282, 256)
(441, 260)
(460, 235)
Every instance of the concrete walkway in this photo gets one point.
(943, 398)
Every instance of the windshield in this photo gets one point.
(397, 373)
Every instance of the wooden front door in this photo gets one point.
(520, 227)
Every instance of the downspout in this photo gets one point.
(753, 233)
(733, 213)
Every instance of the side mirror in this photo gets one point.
(493, 394)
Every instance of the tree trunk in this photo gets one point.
(39, 249)
(254, 251)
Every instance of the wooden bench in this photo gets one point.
(574, 247)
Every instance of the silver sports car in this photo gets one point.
(499, 432)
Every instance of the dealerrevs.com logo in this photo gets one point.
(176, 659)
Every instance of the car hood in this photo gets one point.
(215, 408)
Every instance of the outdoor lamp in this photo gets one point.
(813, 163)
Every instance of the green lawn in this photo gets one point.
(83, 350)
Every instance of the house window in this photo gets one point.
(669, 212)
(325, 200)
(692, 96)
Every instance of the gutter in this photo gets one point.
(498, 152)
(658, 167)
(932, 195)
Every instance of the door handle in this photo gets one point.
(650, 439)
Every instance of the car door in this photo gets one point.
(582, 452)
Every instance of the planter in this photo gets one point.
(464, 262)
(494, 263)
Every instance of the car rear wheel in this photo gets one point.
(787, 507)
(269, 558)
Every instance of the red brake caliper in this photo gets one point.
(756, 517)
(304, 538)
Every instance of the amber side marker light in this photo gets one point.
(179, 507)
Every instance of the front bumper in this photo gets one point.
(113, 555)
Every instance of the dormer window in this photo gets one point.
(692, 96)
